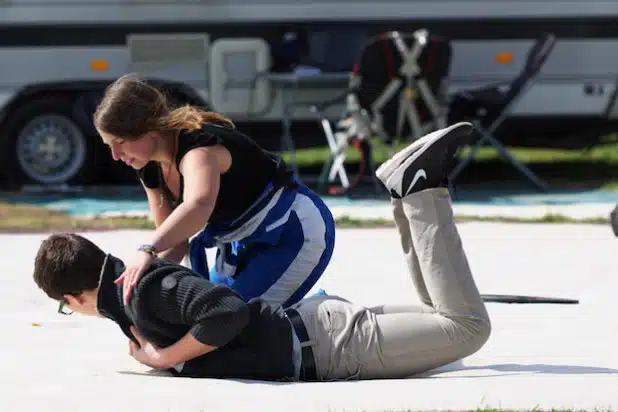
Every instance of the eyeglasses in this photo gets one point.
(63, 308)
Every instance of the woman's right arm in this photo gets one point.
(159, 211)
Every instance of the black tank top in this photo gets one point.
(251, 170)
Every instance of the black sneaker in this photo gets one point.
(426, 162)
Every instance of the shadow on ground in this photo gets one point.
(481, 371)
(515, 368)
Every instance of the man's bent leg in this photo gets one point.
(354, 342)
(405, 237)
(397, 342)
(460, 325)
(415, 342)
(409, 252)
(441, 255)
(405, 343)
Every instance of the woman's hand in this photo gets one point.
(133, 272)
(146, 353)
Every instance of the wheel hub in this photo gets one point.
(51, 149)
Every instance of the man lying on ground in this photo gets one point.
(178, 320)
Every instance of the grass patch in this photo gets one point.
(25, 218)
(15, 217)
(594, 168)
(348, 222)
(548, 218)
(602, 154)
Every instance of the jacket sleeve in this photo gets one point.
(215, 314)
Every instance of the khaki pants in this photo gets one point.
(353, 342)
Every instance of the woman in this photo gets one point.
(274, 236)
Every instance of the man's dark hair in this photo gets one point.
(67, 264)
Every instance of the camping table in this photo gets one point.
(289, 83)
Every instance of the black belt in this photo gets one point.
(307, 367)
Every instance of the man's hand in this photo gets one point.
(146, 353)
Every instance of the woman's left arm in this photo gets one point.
(201, 172)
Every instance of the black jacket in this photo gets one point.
(252, 340)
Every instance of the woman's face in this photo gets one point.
(135, 153)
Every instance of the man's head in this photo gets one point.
(68, 268)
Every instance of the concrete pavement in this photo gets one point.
(539, 356)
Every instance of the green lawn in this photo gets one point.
(595, 168)
(605, 154)
(592, 168)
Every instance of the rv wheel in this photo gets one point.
(47, 146)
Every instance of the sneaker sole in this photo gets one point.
(387, 168)
(397, 175)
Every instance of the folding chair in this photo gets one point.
(489, 106)
(399, 78)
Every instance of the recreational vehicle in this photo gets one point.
(57, 56)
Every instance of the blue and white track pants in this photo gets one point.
(277, 251)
